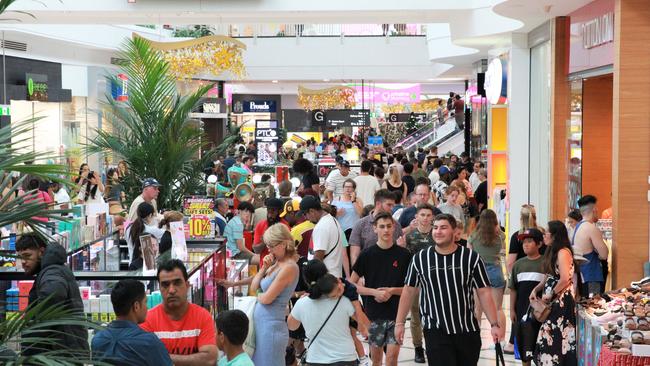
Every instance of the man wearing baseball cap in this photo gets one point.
(336, 178)
(150, 190)
(273, 209)
(527, 273)
(327, 238)
(301, 228)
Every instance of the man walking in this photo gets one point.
(383, 269)
(447, 275)
(422, 196)
(327, 238)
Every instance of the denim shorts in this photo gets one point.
(495, 275)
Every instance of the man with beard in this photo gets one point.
(187, 330)
(273, 209)
(54, 283)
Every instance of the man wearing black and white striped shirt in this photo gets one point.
(447, 274)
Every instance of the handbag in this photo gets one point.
(303, 356)
(247, 305)
(499, 355)
(542, 309)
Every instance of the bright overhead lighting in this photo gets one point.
(431, 79)
(274, 81)
(326, 80)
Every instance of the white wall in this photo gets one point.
(75, 78)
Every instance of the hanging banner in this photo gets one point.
(198, 205)
(266, 140)
(387, 93)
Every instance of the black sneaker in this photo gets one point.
(419, 355)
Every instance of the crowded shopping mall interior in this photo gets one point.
(343, 183)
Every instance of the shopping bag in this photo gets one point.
(247, 305)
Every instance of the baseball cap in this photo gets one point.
(443, 170)
(273, 203)
(150, 182)
(290, 206)
(310, 202)
(531, 233)
(344, 163)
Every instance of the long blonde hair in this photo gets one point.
(394, 175)
(279, 234)
(527, 218)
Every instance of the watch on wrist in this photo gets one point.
(495, 325)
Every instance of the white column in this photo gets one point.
(518, 127)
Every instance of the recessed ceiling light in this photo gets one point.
(274, 81)
(431, 79)
(326, 80)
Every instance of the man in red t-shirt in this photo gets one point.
(273, 209)
(187, 330)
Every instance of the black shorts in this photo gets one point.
(452, 349)
(298, 333)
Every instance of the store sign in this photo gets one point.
(120, 88)
(259, 106)
(214, 108)
(266, 140)
(36, 87)
(387, 93)
(318, 118)
(598, 31)
(375, 140)
(198, 205)
(200, 227)
(337, 118)
(404, 117)
(5, 110)
(496, 82)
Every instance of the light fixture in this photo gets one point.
(326, 80)
(274, 81)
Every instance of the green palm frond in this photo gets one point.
(152, 131)
(26, 327)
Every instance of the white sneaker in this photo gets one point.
(364, 361)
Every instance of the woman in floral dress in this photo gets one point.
(556, 341)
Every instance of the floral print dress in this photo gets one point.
(556, 341)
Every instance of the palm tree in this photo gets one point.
(152, 131)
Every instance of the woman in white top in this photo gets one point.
(143, 224)
(92, 191)
(334, 344)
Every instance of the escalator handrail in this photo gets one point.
(428, 125)
(437, 139)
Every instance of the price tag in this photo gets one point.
(199, 226)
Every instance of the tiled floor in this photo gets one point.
(487, 353)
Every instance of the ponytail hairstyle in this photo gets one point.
(138, 225)
(90, 192)
(168, 217)
(319, 281)
(527, 218)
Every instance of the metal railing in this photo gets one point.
(318, 30)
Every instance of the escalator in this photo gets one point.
(447, 137)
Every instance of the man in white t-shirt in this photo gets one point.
(367, 184)
(335, 180)
(474, 179)
(150, 190)
(327, 238)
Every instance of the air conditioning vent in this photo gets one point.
(13, 45)
(118, 61)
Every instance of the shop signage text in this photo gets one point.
(36, 87)
(259, 106)
(404, 117)
(337, 118)
(375, 140)
(198, 205)
(211, 108)
(598, 31)
(266, 140)
(387, 93)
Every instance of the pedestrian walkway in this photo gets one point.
(407, 353)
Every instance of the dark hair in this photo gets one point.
(30, 241)
(171, 265)
(124, 294)
(246, 158)
(303, 166)
(382, 216)
(366, 166)
(137, 227)
(408, 168)
(480, 164)
(425, 206)
(323, 286)
(234, 325)
(423, 182)
(380, 172)
(265, 178)
(447, 217)
(437, 163)
(246, 206)
(587, 200)
(81, 167)
(575, 214)
(33, 184)
(560, 241)
(285, 187)
(384, 194)
(109, 175)
(90, 192)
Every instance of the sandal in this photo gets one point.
(643, 324)
(630, 323)
(637, 337)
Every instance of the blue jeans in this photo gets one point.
(495, 275)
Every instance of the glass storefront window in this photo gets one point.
(574, 135)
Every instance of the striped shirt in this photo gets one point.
(447, 283)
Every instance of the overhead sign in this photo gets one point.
(213, 108)
(496, 81)
(375, 140)
(404, 117)
(598, 31)
(318, 118)
(266, 140)
(387, 93)
(337, 118)
(258, 106)
(36, 87)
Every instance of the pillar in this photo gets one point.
(631, 140)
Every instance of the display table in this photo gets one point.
(610, 358)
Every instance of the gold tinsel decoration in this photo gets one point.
(338, 97)
(213, 54)
(428, 105)
(393, 108)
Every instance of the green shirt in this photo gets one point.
(241, 359)
(421, 173)
(416, 241)
(489, 253)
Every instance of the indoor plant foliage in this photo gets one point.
(152, 131)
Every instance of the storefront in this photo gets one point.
(247, 108)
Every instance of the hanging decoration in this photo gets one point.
(338, 97)
(393, 108)
(210, 54)
(424, 106)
